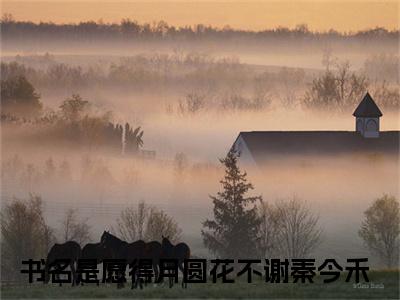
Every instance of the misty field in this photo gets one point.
(336, 290)
(123, 128)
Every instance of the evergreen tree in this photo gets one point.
(233, 232)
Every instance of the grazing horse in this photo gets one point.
(95, 251)
(120, 249)
(69, 250)
(180, 252)
(153, 251)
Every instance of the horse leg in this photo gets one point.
(72, 266)
(134, 281)
(79, 279)
(156, 273)
(57, 276)
(141, 283)
(120, 283)
(180, 266)
(171, 282)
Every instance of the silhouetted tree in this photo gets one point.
(132, 222)
(133, 139)
(380, 229)
(18, 97)
(131, 30)
(234, 230)
(298, 231)
(386, 96)
(73, 108)
(147, 223)
(24, 234)
(73, 229)
(180, 165)
(160, 224)
(7, 18)
(268, 231)
(338, 89)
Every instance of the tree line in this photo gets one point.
(131, 29)
(218, 84)
(244, 225)
(26, 233)
(72, 123)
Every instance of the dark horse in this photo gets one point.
(69, 250)
(120, 249)
(95, 251)
(153, 251)
(136, 250)
(180, 252)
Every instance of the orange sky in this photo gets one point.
(255, 15)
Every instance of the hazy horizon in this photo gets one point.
(255, 16)
(99, 118)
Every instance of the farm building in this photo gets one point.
(256, 148)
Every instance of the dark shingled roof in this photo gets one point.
(266, 144)
(367, 108)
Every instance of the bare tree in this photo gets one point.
(74, 229)
(132, 221)
(192, 103)
(268, 230)
(339, 89)
(160, 224)
(24, 234)
(387, 96)
(146, 223)
(298, 230)
(327, 58)
(180, 165)
(380, 229)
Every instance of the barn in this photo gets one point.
(256, 148)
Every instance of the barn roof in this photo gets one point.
(265, 145)
(367, 108)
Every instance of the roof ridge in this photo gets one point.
(367, 108)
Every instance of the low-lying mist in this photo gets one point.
(191, 107)
(338, 189)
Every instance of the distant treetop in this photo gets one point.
(131, 28)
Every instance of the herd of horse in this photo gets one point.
(111, 247)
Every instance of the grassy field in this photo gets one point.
(336, 290)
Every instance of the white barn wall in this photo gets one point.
(246, 160)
